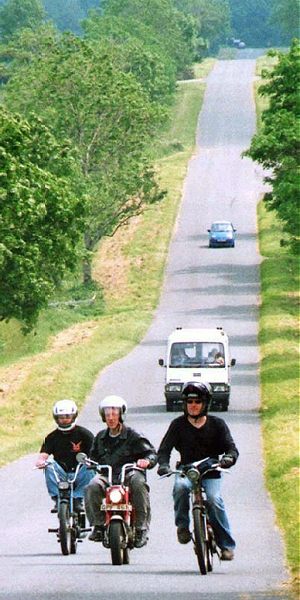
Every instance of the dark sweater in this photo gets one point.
(211, 440)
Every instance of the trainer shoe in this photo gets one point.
(78, 504)
(55, 508)
(97, 534)
(141, 538)
(227, 554)
(183, 535)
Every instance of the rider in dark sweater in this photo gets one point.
(197, 435)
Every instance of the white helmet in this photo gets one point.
(112, 402)
(65, 408)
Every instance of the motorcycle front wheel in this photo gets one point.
(65, 532)
(200, 540)
(210, 549)
(116, 535)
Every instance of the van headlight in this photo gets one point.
(220, 387)
(173, 387)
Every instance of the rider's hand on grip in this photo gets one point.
(226, 461)
(163, 470)
(40, 464)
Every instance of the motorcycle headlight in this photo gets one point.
(193, 475)
(63, 485)
(115, 496)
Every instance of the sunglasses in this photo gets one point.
(194, 400)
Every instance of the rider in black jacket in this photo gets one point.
(197, 435)
(116, 446)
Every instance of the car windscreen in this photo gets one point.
(221, 227)
(197, 354)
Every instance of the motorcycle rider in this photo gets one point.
(197, 435)
(64, 443)
(116, 445)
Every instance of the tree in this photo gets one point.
(212, 19)
(277, 146)
(83, 95)
(41, 220)
(20, 14)
(137, 51)
(286, 15)
(173, 29)
(251, 21)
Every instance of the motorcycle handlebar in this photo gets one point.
(84, 459)
(194, 465)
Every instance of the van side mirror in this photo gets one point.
(233, 362)
(161, 362)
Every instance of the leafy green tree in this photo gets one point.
(251, 21)
(82, 94)
(286, 16)
(174, 30)
(41, 220)
(137, 51)
(277, 146)
(212, 19)
(20, 14)
(66, 15)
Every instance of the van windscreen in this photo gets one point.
(197, 354)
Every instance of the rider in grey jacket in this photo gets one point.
(116, 446)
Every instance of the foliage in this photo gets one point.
(276, 146)
(173, 29)
(40, 218)
(252, 22)
(139, 53)
(286, 16)
(19, 14)
(212, 18)
(279, 337)
(68, 368)
(82, 94)
(67, 15)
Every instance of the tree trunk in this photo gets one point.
(87, 261)
(87, 271)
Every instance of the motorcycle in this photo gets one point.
(72, 524)
(203, 537)
(119, 526)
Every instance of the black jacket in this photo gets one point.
(127, 447)
(211, 440)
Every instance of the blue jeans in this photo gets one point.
(83, 478)
(216, 509)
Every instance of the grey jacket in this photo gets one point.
(127, 447)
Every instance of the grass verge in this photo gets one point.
(279, 348)
(69, 347)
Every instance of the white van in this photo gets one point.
(198, 355)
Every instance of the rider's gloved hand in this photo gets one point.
(163, 470)
(226, 461)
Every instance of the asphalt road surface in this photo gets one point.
(203, 288)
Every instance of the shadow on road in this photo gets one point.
(246, 312)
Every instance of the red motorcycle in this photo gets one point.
(119, 532)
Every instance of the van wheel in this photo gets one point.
(169, 405)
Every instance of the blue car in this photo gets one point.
(221, 233)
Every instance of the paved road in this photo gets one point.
(203, 287)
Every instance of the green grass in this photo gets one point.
(279, 349)
(33, 372)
